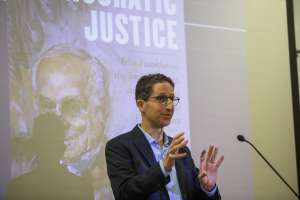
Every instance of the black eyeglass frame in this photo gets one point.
(176, 99)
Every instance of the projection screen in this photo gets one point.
(81, 60)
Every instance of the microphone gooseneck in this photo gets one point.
(241, 138)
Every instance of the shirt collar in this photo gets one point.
(151, 139)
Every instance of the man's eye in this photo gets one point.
(72, 108)
(48, 105)
(162, 98)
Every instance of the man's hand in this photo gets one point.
(208, 169)
(176, 144)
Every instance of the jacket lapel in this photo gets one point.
(143, 145)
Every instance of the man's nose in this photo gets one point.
(169, 104)
(62, 117)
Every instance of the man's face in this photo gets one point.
(62, 88)
(156, 114)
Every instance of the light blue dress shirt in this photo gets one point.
(159, 153)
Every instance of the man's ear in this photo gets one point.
(141, 105)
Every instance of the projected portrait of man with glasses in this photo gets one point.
(69, 82)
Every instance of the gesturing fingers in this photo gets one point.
(213, 158)
(176, 156)
(208, 170)
(210, 150)
(202, 157)
(178, 136)
(202, 160)
(178, 145)
(220, 161)
(176, 141)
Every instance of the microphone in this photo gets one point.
(241, 138)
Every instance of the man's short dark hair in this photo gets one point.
(144, 86)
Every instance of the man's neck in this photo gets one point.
(155, 133)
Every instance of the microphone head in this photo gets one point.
(241, 138)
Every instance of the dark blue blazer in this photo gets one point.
(134, 172)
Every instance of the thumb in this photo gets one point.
(202, 174)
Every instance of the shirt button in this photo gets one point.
(169, 188)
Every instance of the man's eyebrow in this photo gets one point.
(164, 94)
(75, 97)
(67, 98)
(44, 98)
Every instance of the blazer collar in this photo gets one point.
(143, 145)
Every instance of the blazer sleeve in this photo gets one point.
(198, 193)
(125, 182)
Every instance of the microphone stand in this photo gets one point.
(242, 139)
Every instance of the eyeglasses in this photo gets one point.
(163, 99)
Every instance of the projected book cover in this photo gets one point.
(81, 60)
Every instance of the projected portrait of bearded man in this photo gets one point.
(68, 81)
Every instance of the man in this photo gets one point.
(147, 164)
(51, 180)
(69, 82)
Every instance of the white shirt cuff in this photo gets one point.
(211, 193)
